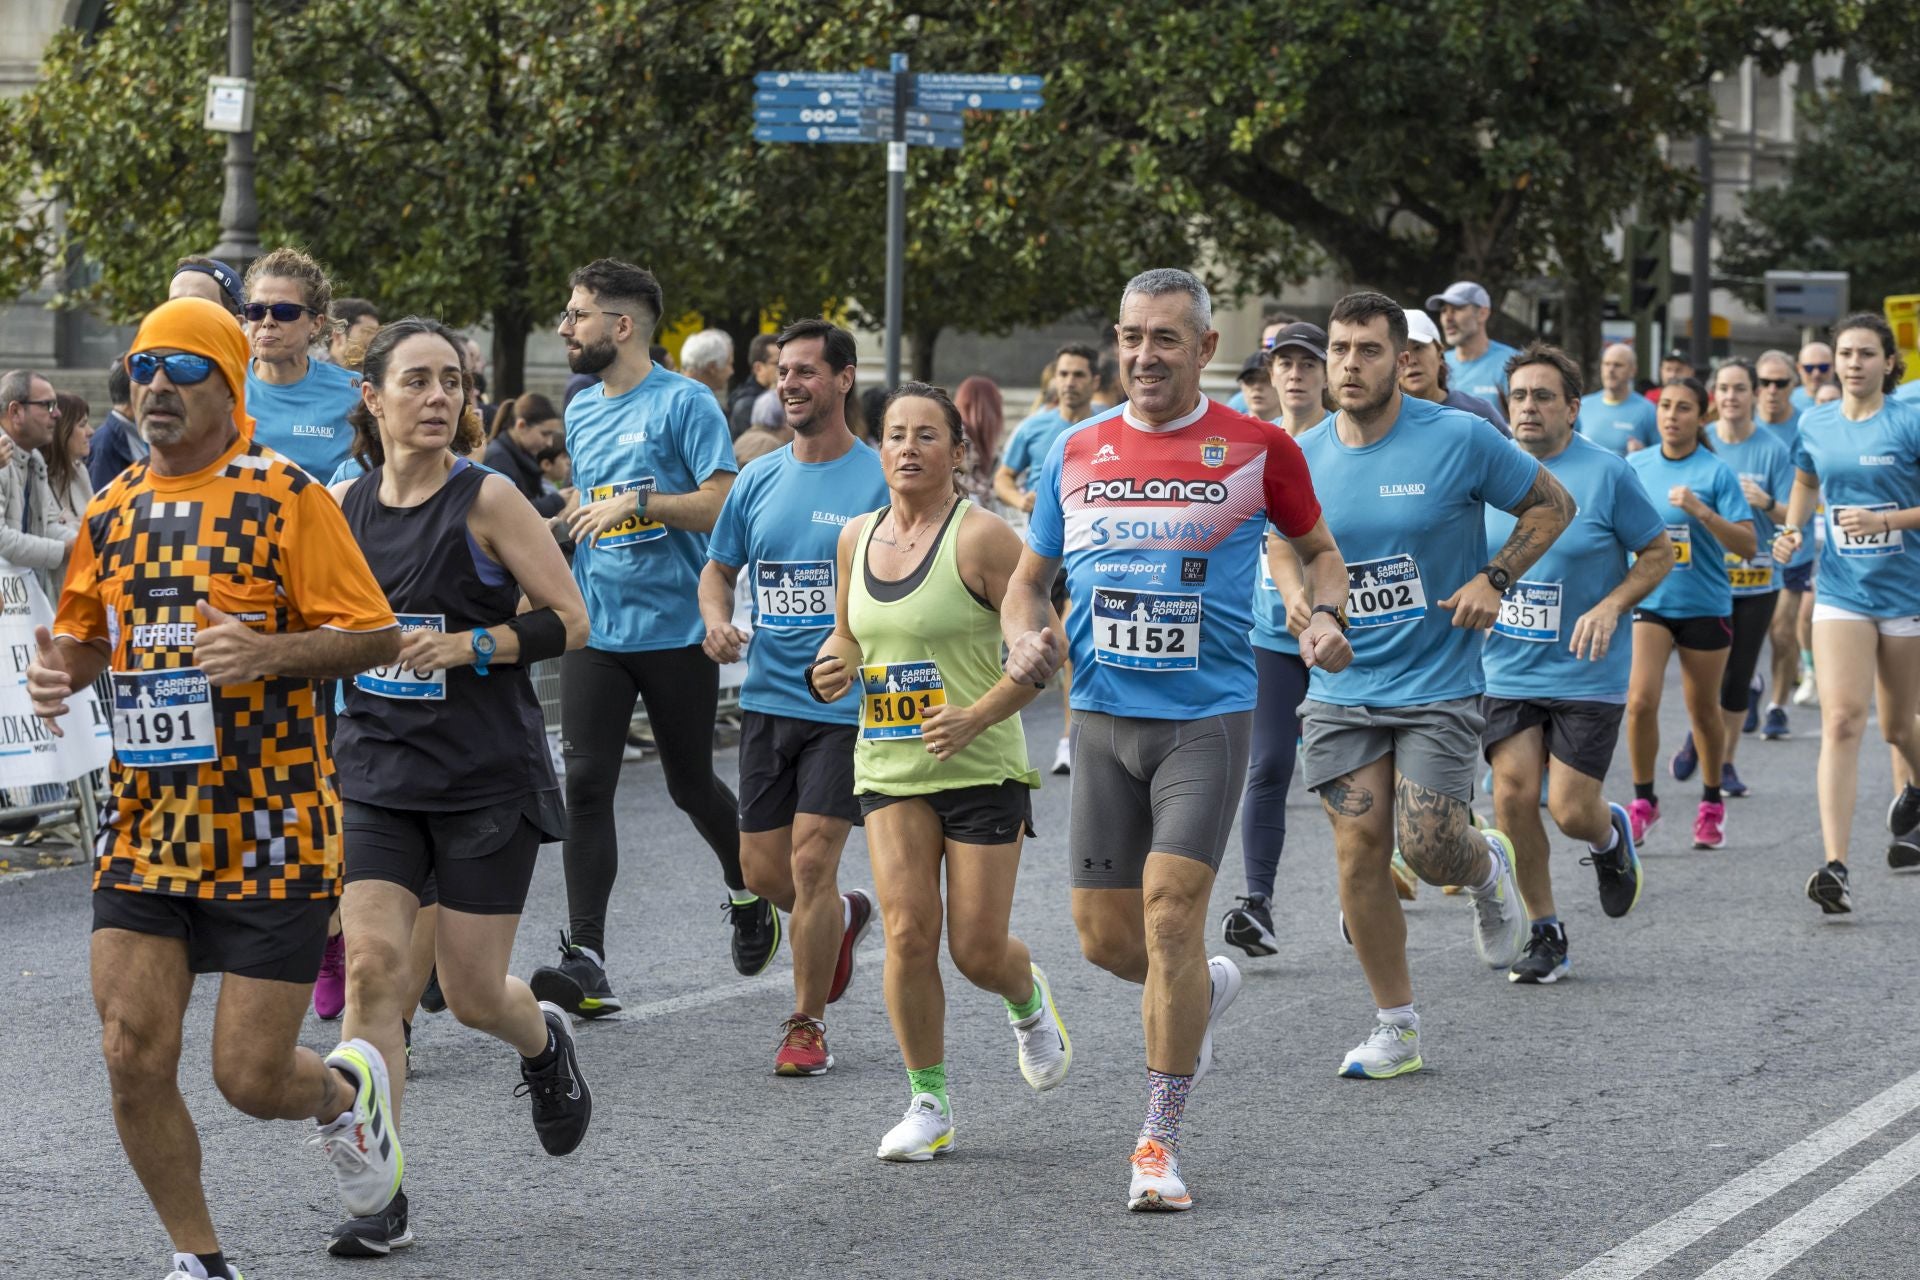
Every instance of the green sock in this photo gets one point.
(1026, 1008)
(931, 1080)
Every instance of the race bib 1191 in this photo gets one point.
(163, 719)
(1530, 611)
(400, 681)
(793, 593)
(896, 696)
(1146, 630)
(634, 529)
(1384, 592)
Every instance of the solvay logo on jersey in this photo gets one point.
(1402, 490)
(1877, 460)
(1131, 490)
(1107, 530)
(1107, 453)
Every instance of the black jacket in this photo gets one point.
(521, 467)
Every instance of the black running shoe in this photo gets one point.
(376, 1235)
(1903, 815)
(1904, 852)
(562, 1103)
(1828, 886)
(431, 999)
(1545, 959)
(756, 934)
(1618, 869)
(1249, 927)
(576, 984)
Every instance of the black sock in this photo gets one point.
(1710, 795)
(216, 1265)
(1644, 791)
(546, 1057)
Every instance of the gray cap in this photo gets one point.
(1461, 293)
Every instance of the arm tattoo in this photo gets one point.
(1546, 509)
(1343, 799)
(1436, 837)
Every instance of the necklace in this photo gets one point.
(921, 525)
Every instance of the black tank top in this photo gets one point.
(483, 742)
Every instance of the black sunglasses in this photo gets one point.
(1778, 384)
(184, 369)
(284, 312)
(1817, 368)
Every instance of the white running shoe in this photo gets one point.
(1156, 1185)
(1063, 758)
(1046, 1054)
(923, 1133)
(1499, 921)
(362, 1145)
(1806, 693)
(1391, 1050)
(187, 1267)
(1223, 984)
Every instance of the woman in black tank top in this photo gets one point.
(442, 757)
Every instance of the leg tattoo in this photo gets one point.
(1436, 837)
(1342, 799)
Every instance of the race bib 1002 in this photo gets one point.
(793, 593)
(400, 681)
(1886, 542)
(1384, 592)
(896, 697)
(1146, 630)
(634, 529)
(163, 719)
(1530, 611)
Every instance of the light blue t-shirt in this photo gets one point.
(1485, 377)
(1270, 610)
(1908, 390)
(1801, 399)
(1787, 432)
(1697, 586)
(1765, 461)
(306, 421)
(1614, 426)
(1407, 511)
(781, 527)
(1027, 448)
(1529, 652)
(1238, 402)
(1873, 464)
(641, 579)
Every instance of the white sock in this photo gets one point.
(1401, 1015)
(1774, 706)
(592, 955)
(846, 913)
(1493, 870)
(1613, 841)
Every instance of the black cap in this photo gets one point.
(1310, 338)
(1681, 354)
(1254, 366)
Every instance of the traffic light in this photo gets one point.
(1649, 271)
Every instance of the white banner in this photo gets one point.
(29, 753)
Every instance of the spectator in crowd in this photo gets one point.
(521, 429)
(763, 370)
(66, 457)
(983, 416)
(707, 358)
(117, 444)
(30, 535)
(1049, 396)
(209, 278)
(556, 467)
(355, 321)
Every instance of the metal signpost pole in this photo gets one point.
(897, 215)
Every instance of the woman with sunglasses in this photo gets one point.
(1707, 517)
(299, 404)
(1863, 454)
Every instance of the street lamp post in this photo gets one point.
(239, 211)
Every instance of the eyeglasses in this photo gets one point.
(1776, 384)
(574, 315)
(184, 369)
(284, 312)
(51, 406)
(1816, 368)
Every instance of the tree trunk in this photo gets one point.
(743, 326)
(510, 328)
(1586, 297)
(924, 338)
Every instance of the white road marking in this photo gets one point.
(1824, 1216)
(1723, 1204)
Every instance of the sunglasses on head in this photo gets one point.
(284, 312)
(184, 369)
(1817, 368)
(1778, 384)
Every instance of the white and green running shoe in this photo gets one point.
(362, 1145)
(924, 1132)
(1046, 1054)
(1391, 1050)
(1499, 921)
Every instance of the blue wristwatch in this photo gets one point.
(482, 649)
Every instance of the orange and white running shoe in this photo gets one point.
(1156, 1186)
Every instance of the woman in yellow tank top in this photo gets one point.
(941, 762)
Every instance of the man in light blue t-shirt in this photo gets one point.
(781, 523)
(299, 404)
(1618, 419)
(1815, 368)
(1407, 483)
(1477, 364)
(1557, 660)
(653, 460)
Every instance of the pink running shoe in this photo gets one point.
(1709, 829)
(1643, 816)
(330, 988)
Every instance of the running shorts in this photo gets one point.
(1580, 735)
(273, 939)
(991, 814)
(481, 859)
(1145, 786)
(789, 765)
(1435, 745)
(1702, 632)
(1898, 626)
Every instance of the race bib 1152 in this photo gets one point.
(1146, 630)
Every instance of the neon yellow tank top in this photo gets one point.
(924, 641)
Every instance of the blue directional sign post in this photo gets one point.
(897, 107)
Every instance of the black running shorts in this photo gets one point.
(274, 939)
(999, 813)
(1580, 735)
(480, 859)
(789, 765)
(1703, 632)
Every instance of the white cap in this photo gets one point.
(1461, 293)
(1420, 327)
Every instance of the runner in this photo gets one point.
(209, 278)
(1391, 741)
(1159, 509)
(1257, 389)
(782, 523)
(443, 760)
(1556, 681)
(1864, 454)
(653, 461)
(1074, 368)
(1617, 419)
(1479, 364)
(1776, 413)
(219, 584)
(1815, 368)
(941, 764)
(1426, 374)
(1765, 473)
(299, 404)
(1707, 517)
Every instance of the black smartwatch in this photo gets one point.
(1499, 577)
(1334, 611)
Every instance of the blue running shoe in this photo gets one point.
(1754, 691)
(1775, 727)
(1730, 783)
(1685, 762)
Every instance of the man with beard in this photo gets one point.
(653, 461)
(1478, 363)
(782, 523)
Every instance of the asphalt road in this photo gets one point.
(1725, 1087)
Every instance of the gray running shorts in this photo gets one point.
(1436, 745)
(1153, 786)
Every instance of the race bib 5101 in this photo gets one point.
(896, 696)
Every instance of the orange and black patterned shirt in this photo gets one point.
(217, 792)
